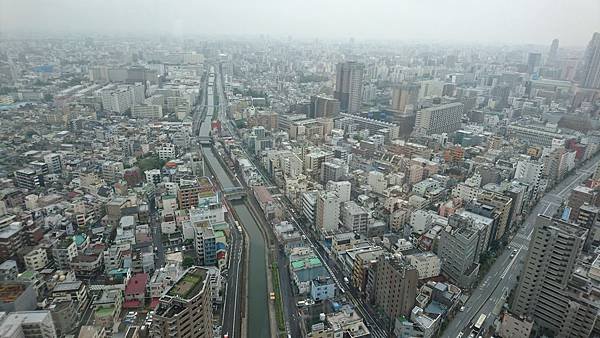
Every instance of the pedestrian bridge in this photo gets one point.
(234, 193)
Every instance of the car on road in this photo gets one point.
(462, 309)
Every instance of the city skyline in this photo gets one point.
(499, 22)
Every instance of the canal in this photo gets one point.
(257, 297)
(257, 315)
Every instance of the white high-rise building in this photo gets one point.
(445, 118)
(54, 163)
(354, 217)
(153, 176)
(309, 206)
(166, 151)
(291, 165)
(328, 211)
(147, 111)
(333, 170)
(430, 88)
(376, 180)
(117, 101)
(341, 188)
(138, 93)
(530, 172)
(591, 63)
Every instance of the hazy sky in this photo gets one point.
(503, 21)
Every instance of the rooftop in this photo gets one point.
(10, 230)
(306, 263)
(68, 286)
(263, 195)
(27, 317)
(9, 264)
(64, 243)
(27, 274)
(9, 292)
(79, 239)
(190, 284)
(583, 189)
(137, 284)
(103, 311)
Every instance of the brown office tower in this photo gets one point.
(395, 286)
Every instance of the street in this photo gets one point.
(502, 276)
(159, 251)
(231, 320)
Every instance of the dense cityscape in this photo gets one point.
(287, 187)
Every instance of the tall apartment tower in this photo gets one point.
(553, 52)
(395, 287)
(534, 61)
(445, 118)
(591, 64)
(459, 249)
(348, 85)
(404, 95)
(552, 290)
(185, 310)
(327, 211)
(322, 106)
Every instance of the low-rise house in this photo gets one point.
(108, 307)
(135, 291)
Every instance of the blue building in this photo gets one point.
(322, 288)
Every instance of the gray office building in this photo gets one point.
(554, 289)
(459, 249)
(348, 86)
(591, 64)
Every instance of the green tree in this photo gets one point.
(188, 261)
(150, 162)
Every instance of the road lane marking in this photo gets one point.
(547, 206)
(510, 264)
(528, 237)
